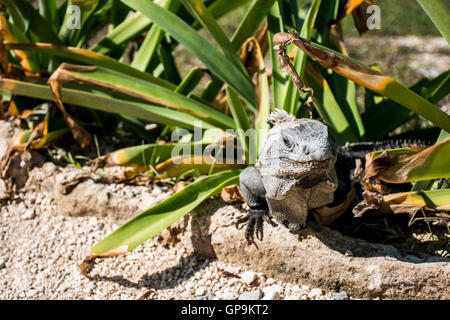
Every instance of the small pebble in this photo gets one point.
(31, 293)
(250, 295)
(272, 292)
(227, 296)
(29, 214)
(340, 296)
(314, 293)
(200, 291)
(99, 227)
(248, 277)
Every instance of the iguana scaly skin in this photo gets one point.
(299, 168)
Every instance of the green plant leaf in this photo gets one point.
(439, 14)
(152, 221)
(198, 45)
(69, 32)
(88, 57)
(28, 60)
(253, 18)
(200, 12)
(220, 8)
(48, 9)
(328, 107)
(243, 125)
(279, 80)
(127, 30)
(20, 13)
(142, 89)
(345, 93)
(393, 114)
(291, 101)
(146, 154)
(30, 21)
(373, 80)
(191, 80)
(103, 102)
(152, 41)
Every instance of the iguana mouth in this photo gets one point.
(319, 164)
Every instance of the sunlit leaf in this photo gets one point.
(152, 221)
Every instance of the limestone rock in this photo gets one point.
(317, 257)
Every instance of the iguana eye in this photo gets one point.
(287, 142)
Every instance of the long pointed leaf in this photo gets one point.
(194, 42)
(85, 56)
(369, 78)
(152, 221)
(199, 11)
(252, 20)
(142, 89)
(124, 32)
(106, 103)
(439, 14)
(327, 106)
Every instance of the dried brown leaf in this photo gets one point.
(400, 167)
(81, 135)
(232, 194)
(326, 215)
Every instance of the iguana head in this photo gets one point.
(298, 157)
(296, 148)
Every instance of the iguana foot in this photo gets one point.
(255, 224)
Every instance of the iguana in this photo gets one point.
(299, 168)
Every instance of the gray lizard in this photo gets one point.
(299, 168)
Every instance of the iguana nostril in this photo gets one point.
(305, 149)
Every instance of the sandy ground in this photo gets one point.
(41, 250)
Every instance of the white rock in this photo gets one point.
(31, 293)
(340, 296)
(29, 214)
(250, 295)
(200, 291)
(314, 293)
(272, 292)
(248, 277)
(291, 298)
(270, 281)
(227, 296)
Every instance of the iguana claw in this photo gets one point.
(255, 224)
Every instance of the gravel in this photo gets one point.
(251, 295)
(43, 240)
(41, 250)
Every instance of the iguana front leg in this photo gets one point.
(254, 194)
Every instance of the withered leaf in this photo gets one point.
(232, 194)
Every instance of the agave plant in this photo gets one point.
(43, 59)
